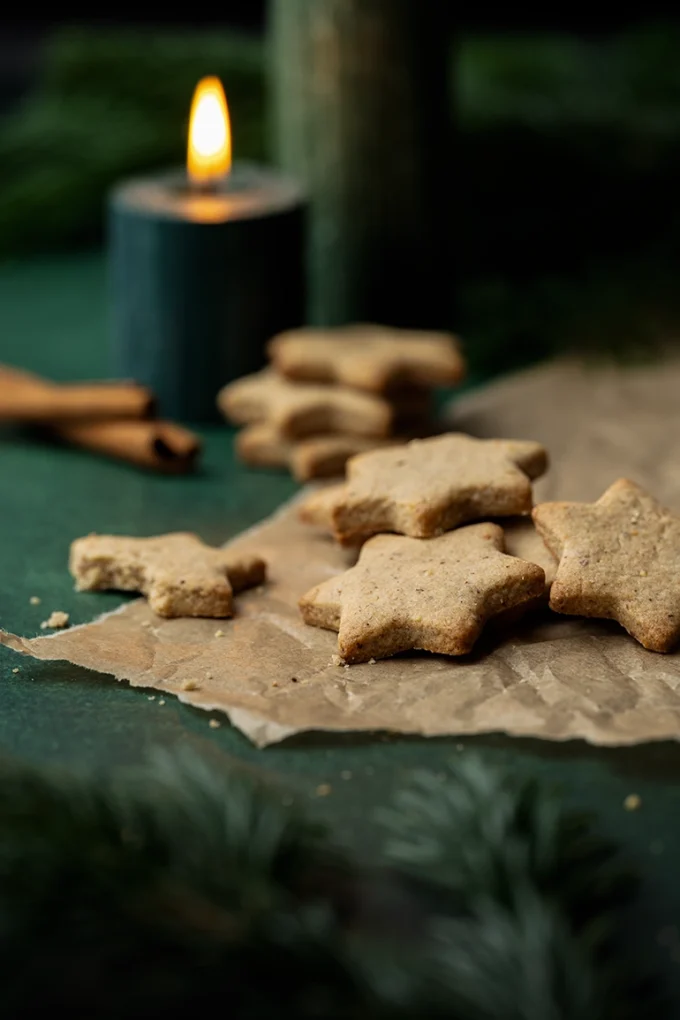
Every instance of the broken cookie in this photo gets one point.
(619, 559)
(179, 575)
(434, 595)
(296, 410)
(432, 485)
(368, 357)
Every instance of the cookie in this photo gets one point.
(296, 410)
(619, 559)
(315, 457)
(367, 357)
(435, 595)
(179, 575)
(432, 485)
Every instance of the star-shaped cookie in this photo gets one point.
(619, 559)
(431, 485)
(296, 410)
(179, 575)
(436, 595)
(367, 357)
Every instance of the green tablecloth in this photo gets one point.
(53, 320)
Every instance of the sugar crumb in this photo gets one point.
(16, 669)
(371, 662)
(632, 802)
(189, 685)
(323, 789)
(161, 701)
(219, 633)
(34, 600)
(336, 660)
(55, 620)
(151, 697)
(208, 676)
(214, 724)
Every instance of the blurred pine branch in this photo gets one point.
(181, 888)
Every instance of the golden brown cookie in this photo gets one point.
(296, 410)
(619, 559)
(179, 575)
(315, 457)
(367, 357)
(434, 595)
(431, 485)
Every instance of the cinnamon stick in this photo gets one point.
(159, 445)
(26, 398)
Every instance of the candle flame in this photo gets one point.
(209, 148)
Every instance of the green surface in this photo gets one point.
(52, 319)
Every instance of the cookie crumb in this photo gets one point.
(371, 662)
(151, 697)
(189, 685)
(34, 600)
(16, 669)
(345, 774)
(219, 633)
(56, 620)
(214, 724)
(346, 665)
(336, 660)
(323, 789)
(632, 802)
(161, 701)
(275, 683)
(208, 676)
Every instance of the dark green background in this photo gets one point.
(53, 320)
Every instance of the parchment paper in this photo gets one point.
(548, 676)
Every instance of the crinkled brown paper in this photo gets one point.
(550, 676)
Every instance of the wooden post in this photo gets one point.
(360, 103)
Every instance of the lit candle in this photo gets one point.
(206, 265)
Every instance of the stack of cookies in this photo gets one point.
(330, 394)
(428, 579)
